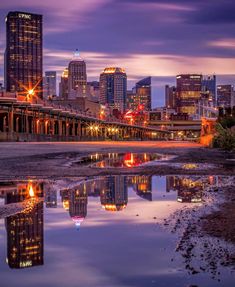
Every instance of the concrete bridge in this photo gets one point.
(25, 121)
(179, 129)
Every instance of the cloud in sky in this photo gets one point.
(146, 37)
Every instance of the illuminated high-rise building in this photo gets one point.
(49, 85)
(77, 77)
(113, 88)
(225, 96)
(23, 55)
(170, 96)
(143, 92)
(189, 89)
(64, 85)
(209, 88)
(140, 96)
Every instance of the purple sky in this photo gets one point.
(156, 38)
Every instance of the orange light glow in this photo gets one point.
(31, 191)
(129, 160)
(31, 92)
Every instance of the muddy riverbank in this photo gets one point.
(206, 233)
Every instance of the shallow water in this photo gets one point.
(120, 160)
(98, 232)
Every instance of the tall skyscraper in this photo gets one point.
(64, 85)
(23, 55)
(113, 88)
(94, 89)
(209, 87)
(143, 91)
(225, 96)
(140, 96)
(49, 89)
(170, 96)
(188, 88)
(77, 77)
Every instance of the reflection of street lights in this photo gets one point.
(102, 114)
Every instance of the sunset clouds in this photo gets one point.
(150, 37)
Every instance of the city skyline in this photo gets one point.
(188, 38)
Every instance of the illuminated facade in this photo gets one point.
(170, 97)
(188, 88)
(78, 202)
(142, 185)
(189, 189)
(225, 96)
(64, 85)
(114, 195)
(140, 95)
(75, 201)
(113, 88)
(209, 88)
(50, 196)
(25, 229)
(49, 85)
(143, 91)
(77, 77)
(23, 56)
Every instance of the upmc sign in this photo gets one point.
(24, 16)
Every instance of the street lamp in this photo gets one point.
(30, 94)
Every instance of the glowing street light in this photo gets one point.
(31, 92)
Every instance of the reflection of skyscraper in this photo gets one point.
(189, 189)
(23, 55)
(94, 187)
(78, 200)
(142, 185)
(65, 198)
(114, 195)
(50, 196)
(25, 229)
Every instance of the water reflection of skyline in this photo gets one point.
(25, 229)
(127, 160)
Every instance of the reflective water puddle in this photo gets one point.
(122, 160)
(99, 232)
